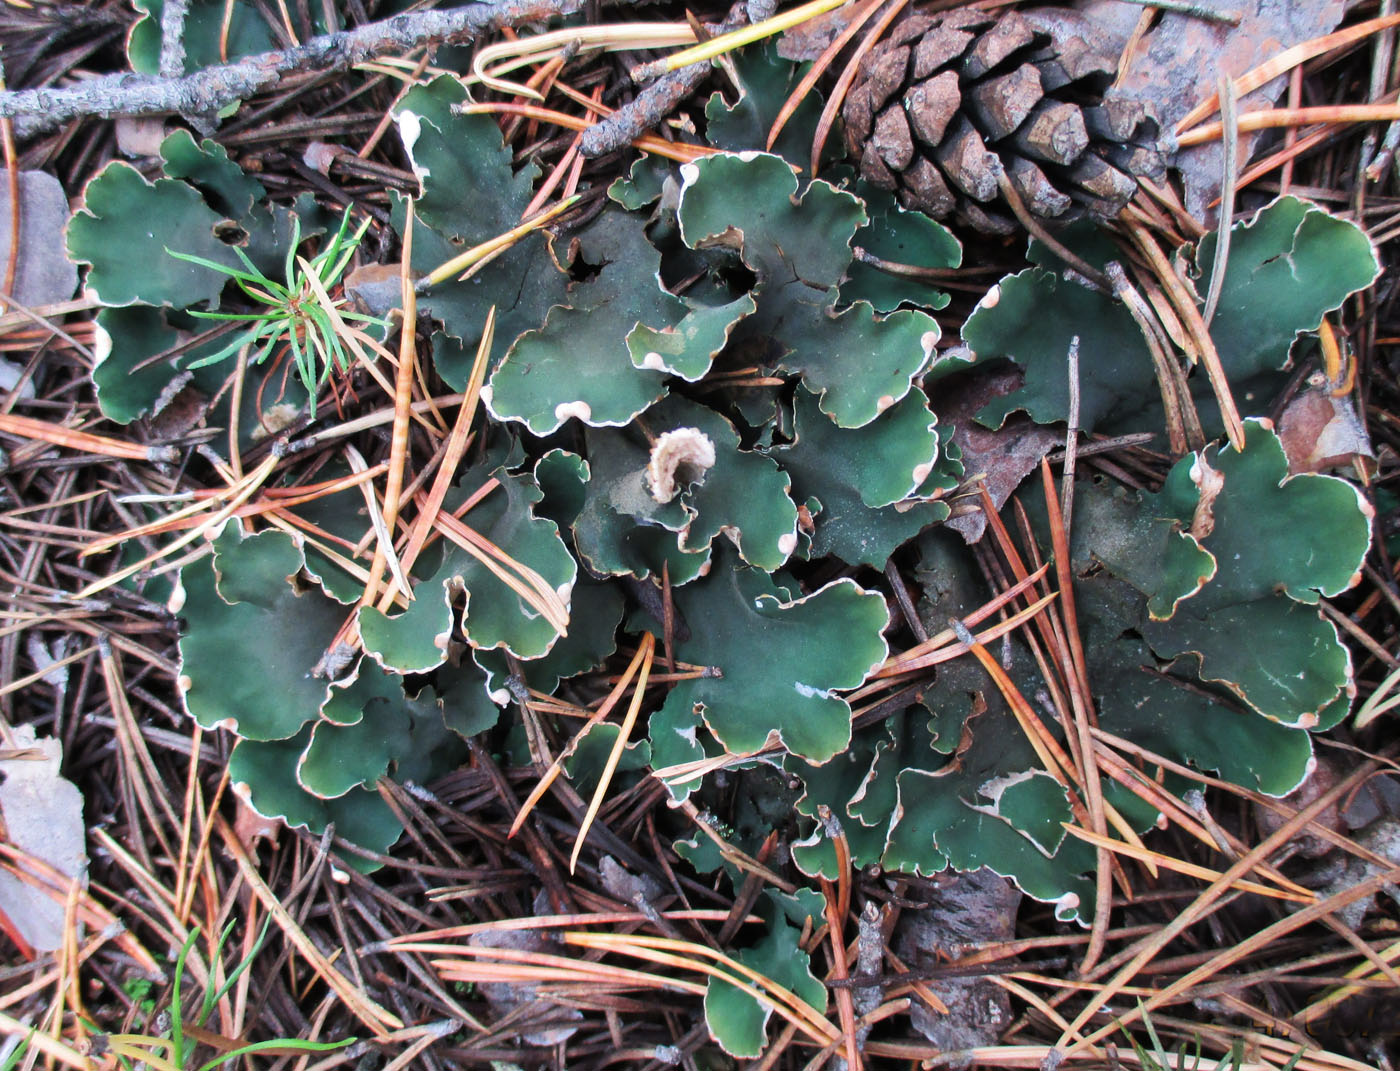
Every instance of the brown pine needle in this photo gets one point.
(39, 873)
(948, 638)
(379, 526)
(557, 766)
(497, 59)
(520, 578)
(647, 652)
(253, 481)
(832, 108)
(403, 398)
(1181, 866)
(728, 42)
(1285, 61)
(835, 926)
(521, 965)
(1229, 956)
(1191, 319)
(84, 441)
(1278, 117)
(452, 455)
(690, 956)
(1082, 707)
(375, 1017)
(464, 261)
(818, 68)
(946, 652)
(671, 150)
(1148, 948)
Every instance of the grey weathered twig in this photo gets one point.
(38, 110)
(172, 38)
(643, 112)
(655, 102)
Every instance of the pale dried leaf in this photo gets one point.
(43, 817)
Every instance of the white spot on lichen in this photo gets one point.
(921, 473)
(1067, 906)
(928, 340)
(101, 342)
(749, 155)
(231, 724)
(564, 410)
(689, 174)
(808, 692)
(564, 590)
(653, 361)
(410, 126)
(704, 570)
(501, 696)
(787, 543)
(885, 401)
(1307, 721)
(176, 602)
(993, 296)
(184, 683)
(679, 456)
(487, 394)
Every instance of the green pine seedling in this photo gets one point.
(294, 315)
(173, 1050)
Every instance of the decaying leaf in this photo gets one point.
(1001, 458)
(961, 913)
(1180, 60)
(43, 272)
(1320, 431)
(42, 813)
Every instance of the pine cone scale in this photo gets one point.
(944, 97)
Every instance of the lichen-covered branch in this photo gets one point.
(37, 110)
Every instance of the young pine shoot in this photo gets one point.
(294, 315)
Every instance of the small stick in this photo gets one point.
(645, 111)
(906, 604)
(1071, 435)
(172, 37)
(1196, 11)
(1230, 151)
(1012, 196)
(210, 89)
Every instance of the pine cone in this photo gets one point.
(944, 102)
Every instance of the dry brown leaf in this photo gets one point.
(1004, 457)
(1180, 61)
(1321, 431)
(963, 912)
